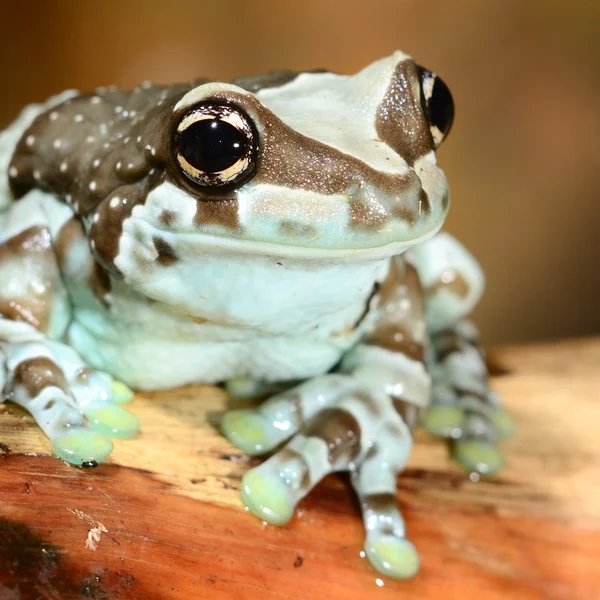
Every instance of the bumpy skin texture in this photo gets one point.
(317, 281)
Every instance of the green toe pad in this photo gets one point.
(120, 392)
(442, 420)
(82, 446)
(269, 498)
(393, 556)
(246, 430)
(478, 456)
(113, 421)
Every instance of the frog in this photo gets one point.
(279, 234)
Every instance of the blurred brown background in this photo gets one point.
(523, 159)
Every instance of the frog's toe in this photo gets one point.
(392, 555)
(442, 420)
(120, 392)
(82, 447)
(478, 456)
(112, 420)
(503, 423)
(249, 431)
(268, 497)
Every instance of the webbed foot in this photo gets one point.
(333, 423)
(78, 408)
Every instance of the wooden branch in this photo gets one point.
(163, 518)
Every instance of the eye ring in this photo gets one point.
(216, 145)
(437, 104)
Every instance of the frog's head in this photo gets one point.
(309, 166)
(312, 161)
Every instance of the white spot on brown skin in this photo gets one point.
(95, 100)
(13, 172)
(63, 166)
(57, 143)
(114, 202)
(93, 185)
(37, 175)
(30, 140)
(53, 115)
(96, 163)
(90, 139)
(78, 118)
(95, 218)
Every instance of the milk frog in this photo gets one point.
(279, 234)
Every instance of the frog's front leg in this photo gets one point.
(74, 405)
(336, 423)
(356, 421)
(464, 409)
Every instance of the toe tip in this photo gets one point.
(113, 421)
(267, 497)
(393, 556)
(245, 430)
(442, 420)
(81, 447)
(478, 456)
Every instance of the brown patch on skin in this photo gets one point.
(294, 229)
(339, 430)
(32, 256)
(400, 122)
(452, 281)
(401, 313)
(218, 212)
(166, 253)
(381, 504)
(36, 374)
(168, 218)
(424, 204)
(366, 216)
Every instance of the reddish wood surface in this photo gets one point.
(170, 524)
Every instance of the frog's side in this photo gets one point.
(303, 250)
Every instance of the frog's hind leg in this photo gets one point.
(464, 409)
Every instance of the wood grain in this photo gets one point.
(163, 520)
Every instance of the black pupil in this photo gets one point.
(441, 106)
(212, 145)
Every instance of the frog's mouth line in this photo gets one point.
(211, 244)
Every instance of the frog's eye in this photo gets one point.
(437, 104)
(216, 145)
